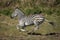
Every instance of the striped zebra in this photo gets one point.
(24, 20)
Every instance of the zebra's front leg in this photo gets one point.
(17, 26)
(23, 28)
(20, 28)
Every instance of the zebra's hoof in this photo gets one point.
(22, 30)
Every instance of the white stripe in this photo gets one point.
(39, 18)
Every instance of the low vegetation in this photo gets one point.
(50, 9)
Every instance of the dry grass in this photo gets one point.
(8, 30)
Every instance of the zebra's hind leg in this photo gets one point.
(36, 23)
(35, 28)
(33, 31)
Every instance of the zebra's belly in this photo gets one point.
(28, 22)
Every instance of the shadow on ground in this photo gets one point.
(42, 34)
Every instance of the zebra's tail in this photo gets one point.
(50, 22)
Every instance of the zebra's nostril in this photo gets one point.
(11, 17)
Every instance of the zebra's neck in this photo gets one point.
(21, 16)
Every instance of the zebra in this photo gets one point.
(24, 20)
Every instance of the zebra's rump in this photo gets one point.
(38, 17)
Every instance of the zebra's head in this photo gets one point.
(14, 14)
(18, 13)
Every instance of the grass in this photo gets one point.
(8, 28)
(8, 25)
